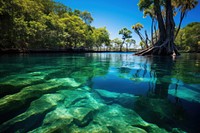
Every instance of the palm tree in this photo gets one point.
(184, 6)
(125, 35)
(137, 27)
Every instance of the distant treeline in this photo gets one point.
(45, 24)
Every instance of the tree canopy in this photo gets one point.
(45, 24)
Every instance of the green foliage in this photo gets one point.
(185, 5)
(125, 33)
(130, 42)
(45, 24)
(144, 4)
(142, 45)
(86, 17)
(137, 26)
(101, 36)
(116, 43)
(189, 37)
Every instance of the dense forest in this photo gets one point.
(49, 25)
(45, 24)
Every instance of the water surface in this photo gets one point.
(99, 92)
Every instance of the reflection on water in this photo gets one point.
(99, 92)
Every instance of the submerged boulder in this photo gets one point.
(91, 128)
(80, 98)
(80, 111)
(160, 111)
(119, 119)
(14, 83)
(82, 115)
(34, 114)
(77, 109)
(65, 82)
(124, 99)
(186, 94)
(29, 93)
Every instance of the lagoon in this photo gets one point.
(99, 92)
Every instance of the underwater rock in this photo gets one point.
(81, 105)
(107, 94)
(177, 130)
(72, 96)
(91, 128)
(124, 99)
(58, 120)
(65, 82)
(52, 128)
(33, 115)
(119, 119)
(24, 97)
(59, 73)
(84, 73)
(186, 94)
(14, 83)
(87, 88)
(80, 98)
(82, 115)
(81, 76)
(160, 111)
(77, 109)
(60, 114)
(116, 113)
(34, 91)
(22, 79)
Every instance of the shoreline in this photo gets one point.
(18, 51)
(29, 51)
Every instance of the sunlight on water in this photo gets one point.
(99, 92)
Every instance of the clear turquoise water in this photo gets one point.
(99, 92)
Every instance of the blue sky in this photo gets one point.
(116, 14)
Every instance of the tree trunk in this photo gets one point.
(179, 26)
(147, 39)
(165, 44)
(141, 37)
(122, 45)
(161, 24)
(170, 27)
(155, 31)
(152, 23)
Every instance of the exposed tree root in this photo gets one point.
(165, 48)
